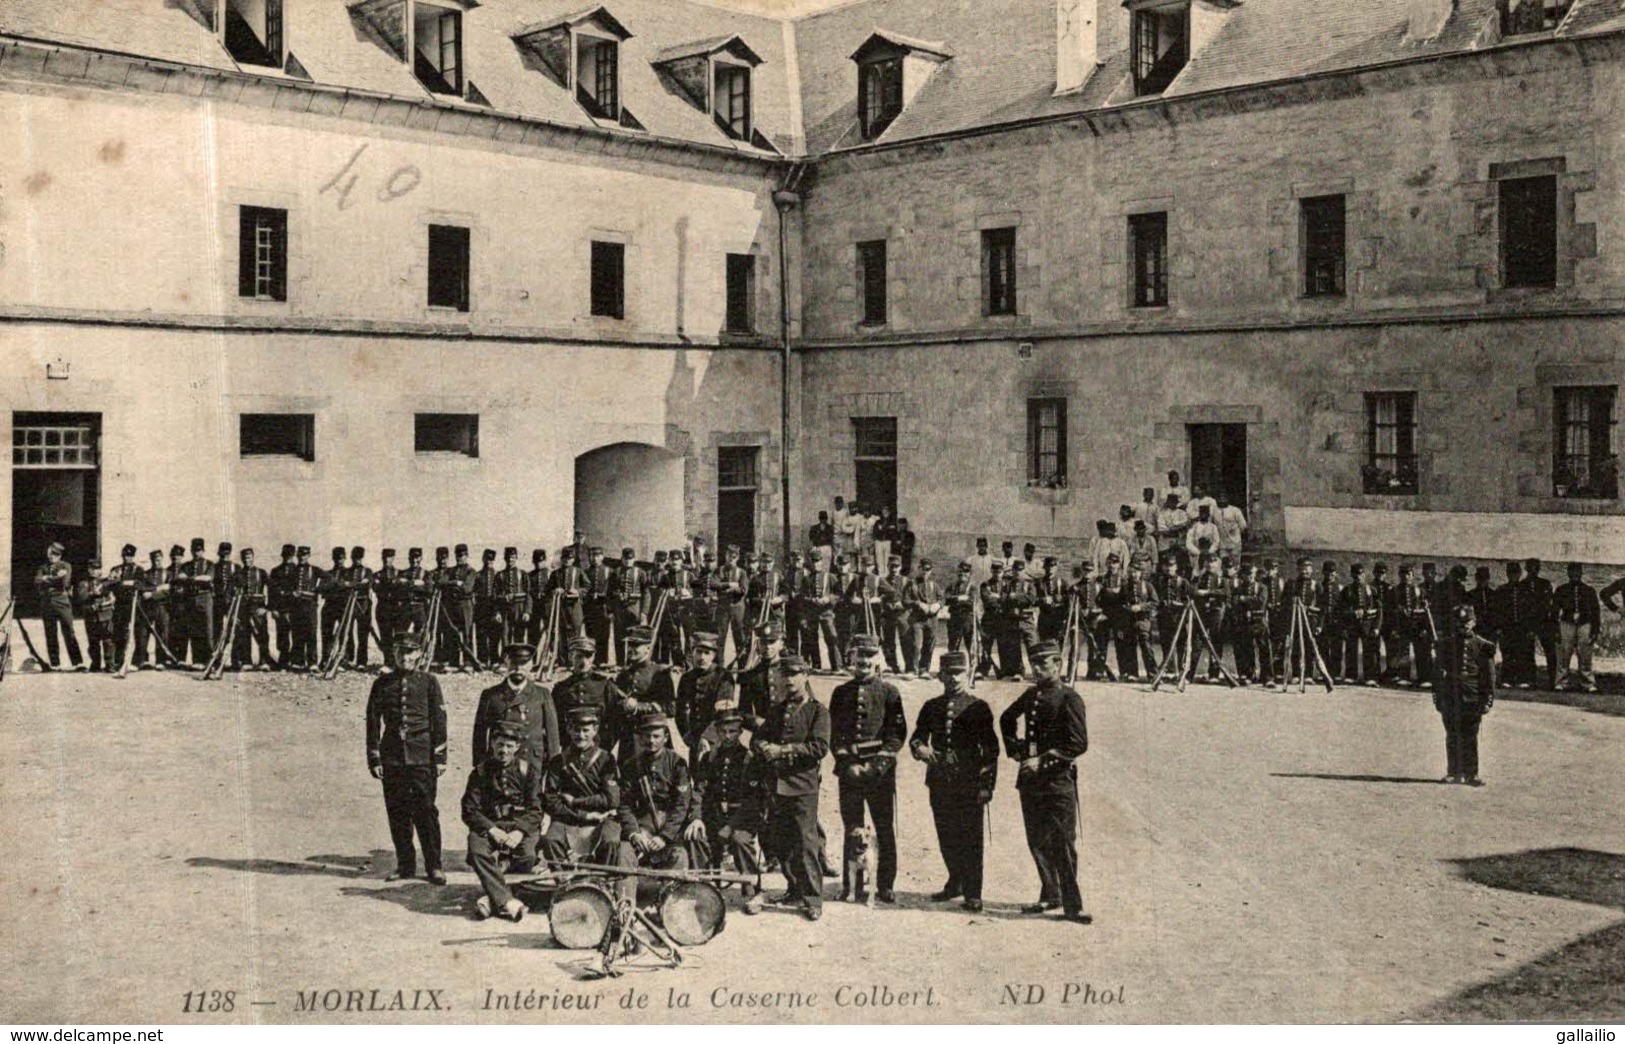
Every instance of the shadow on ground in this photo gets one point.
(1610, 702)
(1582, 980)
(378, 863)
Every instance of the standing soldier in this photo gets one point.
(1412, 630)
(1173, 595)
(282, 607)
(1052, 602)
(393, 598)
(991, 596)
(1023, 607)
(1140, 600)
(1251, 609)
(764, 595)
(760, 686)
(518, 701)
(1361, 613)
(1578, 610)
(1045, 732)
(1330, 631)
(1542, 619)
(867, 729)
(487, 646)
(94, 597)
(456, 585)
(643, 686)
(1466, 688)
(727, 585)
(1280, 613)
(128, 580)
(225, 582)
(585, 687)
(335, 590)
(1485, 600)
(419, 585)
(702, 610)
(792, 607)
(1091, 622)
(570, 580)
(600, 613)
(512, 600)
(703, 692)
(538, 588)
(894, 615)
(863, 599)
(362, 581)
(963, 608)
(1517, 636)
(153, 621)
(1113, 602)
(1304, 589)
(1383, 588)
(306, 583)
(820, 596)
(406, 750)
(792, 743)
(631, 599)
(676, 585)
(198, 587)
(502, 808)
(254, 584)
(728, 794)
(954, 737)
(924, 596)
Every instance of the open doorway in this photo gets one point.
(737, 481)
(1219, 461)
(630, 494)
(55, 494)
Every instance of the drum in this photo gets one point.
(691, 912)
(581, 915)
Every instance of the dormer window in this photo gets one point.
(1532, 16)
(714, 75)
(730, 99)
(581, 52)
(598, 75)
(880, 95)
(253, 30)
(1161, 46)
(437, 43)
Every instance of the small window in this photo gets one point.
(1324, 246)
(872, 281)
(1148, 243)
(732, 100)
(1529, 231)
(278, 435)
(999, 271)
(262, 253)
(880, 94)
(438, 34)
(741, 293)
(1586, 461)
(448, 267)
(254, 32)
(1390, 454)
(1046, 443)
(446, 433)
(736, 467)
(1532, 16)
(598, 76)
(609, 280)
(1161, 46)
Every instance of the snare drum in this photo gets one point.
(581, 915)
(691, 912)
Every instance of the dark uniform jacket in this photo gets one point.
(199, 585)
(588, 778)
(963, 598)
(650, 685)
(922, 594)
(1578, 603)
(866, 720)
(456, 583)
(759, 689)
(225, 580)
(802, 727)
(729, 788)
(1409, 606)
(531, 706)
(1357, 603)
(657, 795)
(512, 593)
(508, 795)
(698, 694)
(589, 689)
(1486, 603)
(406, 721)
(128, 582)
(282, 576)
(821, 591)
(1046, 722)
(959, 730)
(255, 585)
(94, 599)
(53, 582)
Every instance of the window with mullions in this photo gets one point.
(736, 467)
(262, 253)
(254, 32)
(1046, 443)
(598, 77)
(1391, 465)
(1148, 241)
(37, 446)
(1586, 462)
(438, 35)
(1161, 46)
(732, 100)
(880, 95)
(1324, 246)
(999, 271)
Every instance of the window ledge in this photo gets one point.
(1008, 318)
(278, 467)
(446, 310)
(870, 329)
(1043, 495)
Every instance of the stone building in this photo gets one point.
(416, 273)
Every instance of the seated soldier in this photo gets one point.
(732, 809)
(657, 799)
(502, 809)
(581, 796)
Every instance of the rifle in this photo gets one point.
(547, 648)
(217, 658)
(44, 667)
(5, 637)
(346, 621)
(433, 627)
(975, 636)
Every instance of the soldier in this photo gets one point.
(600, 614)
(419, 585)
(991, 596)
(1021, 605)
(1091, 623)
(981, 563)
(764, 595)
(581, 794)
(585, 687)
(1142, 548)
(1579, 620)
(516, 699)
(1172, 524)
(702, 611)
(1412, 631)
(153, 619)
(704, 691)
(1045, 732)
(1383, 588)
(1330, 632)
(180, 616)
(643, 686)
(1361, 613)
(510, 598)
(759, 685)
(578, 549)
(1485, 600)
(1202, 537)
(282, 607)
(1465, 690)
(1140, 603)
(569, 580)
(306, 581)
(335, 590)
(1280, 616)
(729, 796)
(820, 598)
(822, 537)
(727, 586)
(675, 587)
(538, 595)
(954, 737)
(393, 598)
(93, 596)
(1304, 589)
(925, 603)
(225, 582)
(863, 602)
(963, 608)
(254, 585)
(1050, 590)
(406, 750)
(1174, 593)
(792, 743)
(893, 616)
(1114, 624)
(197, 587)
(657, 799)
(486, 641)
(456, 640)
(128, 579)
(867, 729)
(362, 581)
(1543, 629)
(1250, 606)
(502, 808)
(843, 573)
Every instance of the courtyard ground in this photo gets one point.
(1249, 857)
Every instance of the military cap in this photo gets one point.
(518, 652)
(654, 718)
(1043, 651)
(660, 556)
(156, 555)
(704, 640)
(1405, 568)
(1481, 573)
(865, 643)
(764, 557)
(796, 554)
(461, 549)
(1304, 562)
(595, 550)
(996, 565)
(287, 549)
(338, 553)
(1356, 569)
(1050, 560)
(816, 555)
(357, 551)
(583, 714)
(94, 563)
(175, 551)
(388, 552)
(538, 555)
(408, 642)
(512, 730)
(1088, 566)
(627, 552)
(583, 643)
(769, 632)
(224, 548)
(790, 664)
(953, 661)
(1019, 564)
(1458, 572)
(414, 552)
(128, 549)
(489, 555)
(1381, 568)
(730, 717)
(925, 563)
(441, 552)
(510, 552)
(1113, 557)
(964, 567)
(639, 635)
(245, 552)
(894, 560)
(198, 544)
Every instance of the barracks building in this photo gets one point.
(392, 271)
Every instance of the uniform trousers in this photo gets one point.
(1360, 655)
(453, 646)
(1051, 622)
(487, 631)
(1574, 644)
(251, 628)
(304, 652)
(122, 641)
(284, 637)
(1213, 620)
(600, 625)
(361, 627)
(1052, 832)
(724, 839)
(879, 795)
(99, 637)
(490, 863)
(1517, 655)
(731, 621)
(1254, 657)
(1545, 635)
(1461, 740)
(959, 633)
(200, 631)
(958, 817)
(894, 632)
(1009, 639)
(54, 618)
(1134, 648)
(409, 796)
(152, 625)
(1414, 643)
(793, 818)
(919, 643)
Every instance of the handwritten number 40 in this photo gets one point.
(398, 184)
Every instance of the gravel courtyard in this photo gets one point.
(1249, 857)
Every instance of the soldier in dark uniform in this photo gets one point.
(197, 587)
(225, 582)
(487, 644)
(518, 699)
(179, 613)
(820, 598)
(1485, 600)
(282, 607)
(600, 614)
(1517, 636)
(760, 686)
(893, 616)
(305, 586)
(335, 590)
(676, 585)
(406, 749)
(93, 595)
(1045, 732)
(867, 729)
(1140, 604)
(1212, 604)
(1412, 630)
(1251, 606)
(456, 641)
(1305, 589)
(586, 687)
(502, 808)
(657, 799)
(1329, 633)
(792, 743)
(1361, 612)
(704, 691)
(1091, 624)
(703, 609)
(726, 585)
(629, 599)
(991, 595)
(643, 685)
(581, 795)
(1466, 687)
(954, 737)
(1537, 591)
(127, 579)
(393, 596)
(1174, 593)
(419, 585)
(1052, 602)
(1113, 602)
(254, 585)
(925, 600)
(792, 606)
(538, 594)
(510, 602)
(362, 581)
(153, 621)
(1383, 588)
(731, 804)
(1022, 606)
(764, 595)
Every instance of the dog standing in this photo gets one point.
(858, 866)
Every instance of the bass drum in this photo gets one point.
(581, 915)
(692, 912)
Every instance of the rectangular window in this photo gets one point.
(1046, 443)
(872, 281)
(1586, 459)
(1532, 16)
(446, 433)
(278, 435)
(438, 37)
(736, 467)
(254, 32)
(598, 77)
(262, 253)
(1161, 46)
(1148, 243)
(40, 446)
(999, 271)
(1528, 209)
(448, 267)
(1324, 246)
(732, 100)
(880, 95)
(1390, 453)
(875, 462)
(741, 293)
(609, 280)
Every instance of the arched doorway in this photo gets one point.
(630, 494)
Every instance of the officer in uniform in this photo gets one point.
(53, 586)
(538, 594)
(517, 699)
(225, 582)
(643, 685)
(585, 687)
(1052, 602)
(487, 645)
(1305, 589)
(406, 749)
(1517, 630)
(1361, 613)
(153, 621)
(456, 641)
(954, 737)
(197, 587)
(502, 808)
(1174, 593)
(1091, 622)
(305, 584)
(925, 601)
(1140, 602)
(1023, 608)
(1113, 602)
(1251, 607)
(93, 595)
(1045, 732)
(764, 595)
(1212, 604)
(254, 585)
(729, 796)
(704, 691)
(419, 585)
(1466, 687)
(511, 600)
(894, 616)
(760, 685)
(703, 609)
(600, 613)
(657, 799)
(792, 743)
(282, 607)
(963, 608)
(127, 579)
(867, 729)
(581, 795)
(362, 580)
(792, 605)
(676, 584)
(821, 596)
(1330, 633)
(726, 585)
(1412, 623)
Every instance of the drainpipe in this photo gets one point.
(784, 201)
